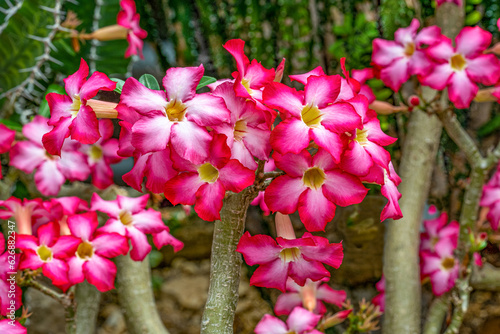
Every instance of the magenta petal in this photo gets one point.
(439, 77)
(236, 48)
(391, 209)
(135, 176)
(132, 204)
(54, 140)
(151, 134)
(209, 201)
(75, 81)
(290, 135)
(165, 238)
(110, 208)
(301, 320)
(85, 127)
(324, 251)
(190, 141)
(271, 325)
(271, 275)
(286, 302)
(27, 156)
(340, 117)
(472, 41)
(148, 221)
(207, 110)
(302, 78)
(315, 210)
(461, 90)
(343, 189)
(100, 272)
(328, 140)
(331, 296)
(75, 271)
(110, 245)
(283, 194)
(321, 91)
(182, 188)
(60, 106)
(48, 178)
(180, 82)
(258, 249)
(356, 160)
(97, 81)
(396, 74)
(57, 271)
(235, 177)
(385, 52)
(135, 95)
(140, 244)
(293, 165)
(301, 270)
(284, 98)
(159, 171)
(83, 225)
(484, 69)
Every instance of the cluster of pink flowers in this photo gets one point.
(436, 62)
(62, 236)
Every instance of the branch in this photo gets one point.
(87, 301)
(486, 278)
(436, 315)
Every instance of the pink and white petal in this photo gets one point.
(385, 52)
(271, 325)
(83, 225)
(151, 133)
(57, 271)
(110, 245)
(428, 36)
(97, 81)
(148, 221)
(258, 77)
(283, 194)
(54, 140)
(284, 98)
(375, 133)
(26, 242)
(85, 127)
(290, 135)
(236, 48)
(132, 204)
(286, 303)
(341, 117)
(220, 153)
(135, 176)
(420, 64)
(439, 77)
(48, 178)
(356, 160)
(140, 245)
(302, 78)
(240, 152)
(258, 249)
(73, 166)
(440, 282)
(323, 251)
(235, 177)
(328, 140)
(461, 90)
(343, 189)
(111, 208)
(137, 96)
(209, 201)
(378, 154)
(106, 129)
(164, 238)
(331, 296)
(182, 188)
(484, 69)
(293, 165)
(65, 246)
(391, 209)
(407, 34)
(321, 91)
(74, 82)
(442, 51)
(396, 73)
(27, 156)
(190, 141)
(472, 41)
(301, 320)
(180, 82)
(271, 275)
(159, 170)
(59, 105)
(75, 272)
(324, 160)
(257, 142)
(301, 270)
(100, 272)
(30, 260)
(102, 175)
(114, 226)
(315, 210)
(207, 110)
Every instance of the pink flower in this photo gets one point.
(10, 292)
(164, 238)
(102, 154)
(314, 186)
(128, 218)
(269, 166)
(12, 327)
(129, 18)
(57, 210)
(365, 147)
(405, 56)
(49, 251)
(177, 117)
(51, 171)
(205, 184)
(437, 229)
(491, 200)
(7, 136)
(95, 248)
(300, 321)
(71, 114)
(379, 299)
(248, 131)
(362, 76)
(459, 3)
(22, 211)
(310, 296)
(311, 115)
(442, 267)
(298, 259)
(459, 68)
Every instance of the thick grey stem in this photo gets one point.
(401, 264)
(218, 316)
(87, 307)
(436, 315)
(135, 293)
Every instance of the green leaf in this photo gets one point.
(205, 81)
(473, 18)
(489, 127)
(149, 81)
(44, 106)
(155, 258)
(11, 124)
(119, 84)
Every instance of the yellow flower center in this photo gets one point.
(410, 49)
(458, 62)
(290, 254)
(126, 218)
(246, 84)
(95, 152)
(448, 263)
(208, 172)
(85, 251)
(361, 137)
(175, 111)
(314, 178)
(44, 253)
(75, 106)
(240, 130)
(311, 116)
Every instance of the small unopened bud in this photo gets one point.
(279, 71)
(336, 319)
(284, 228)
(108, 33)
(103, 109)
(413, 101)
(308, 294)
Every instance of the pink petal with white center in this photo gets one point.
(207, 110)
(271, 275)
(385, 52)
(442, 51)
(258, 249)
(301, 320)
(182, 188)
(240, 152)
(439, 77)
(490, 195)
(97, 81)
(164, 238)
(367, 92)
(27, 156)
(315, 210)
(484, 69)
(301, 270)
(151, 133)
(125, 140)
(378, 154)
(140, 245)
(420, 64)
(257, 142)
(302, 78)
(111, 208)
(30, 260)
(472, 41)
(132, 204)
(180, 82)
(443, 281)
(65, 246)
(286, 302)
(375, 133)
(137, 96)
(54, 140)
(271, 325)
(331, 296)
(293, 165)
(26, 242)
(258, 76)
(235, 177)
(102, 175)
(356, 160)
(461, 90)
(57, 271)
(48, 178)
(283, 194)
(428, 36)
(59, 105)
(85, 127)
(328, 140)
(190, 141)
(236, 48)
(75, 271)
(73, 166)
(135, 176)
(11, 327)
(71, 204)
(148, 221)
(220, 153)
(321, 91)
(110, 245)
(290, 135)
(209, 201)
(396, 74)
(324, 160)
(159, 171)
(391, 209)
(100, 272)
(407, 35)
(283, 98)
(323, 251)
(114, 226)
(83, 225)
(74, 82)
(341, 117)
